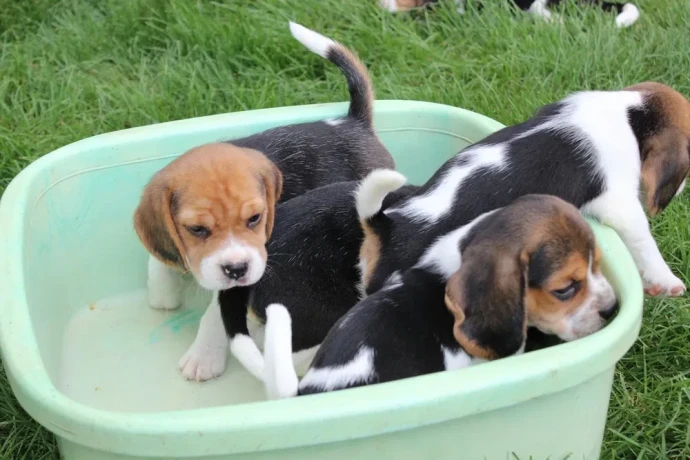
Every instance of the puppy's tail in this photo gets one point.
(373, 190)
(358, 83)
(280, 377)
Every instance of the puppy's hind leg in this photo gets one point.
(164, 285)
(627, 217)
(280, 375)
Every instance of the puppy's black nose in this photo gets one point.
(609, 312)
(235, 271)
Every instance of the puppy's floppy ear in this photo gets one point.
(486, 297)
(273, 185)
(665, 165)
(155, 225)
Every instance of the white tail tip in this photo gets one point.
(280, 376)
(315, 42)
(374, 188)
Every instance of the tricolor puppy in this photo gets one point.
(211, 211)
(470, 297)
(594, 149)
(626, 13)
(312, 269)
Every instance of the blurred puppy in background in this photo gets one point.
(626, 13)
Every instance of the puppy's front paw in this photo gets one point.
(202, 362)
(668, 286)
(161, 298)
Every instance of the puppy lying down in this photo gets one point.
(469, 298)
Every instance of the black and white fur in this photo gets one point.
(626, 13)
(312, 270)
(309, 155)
(404, 329)
(584, 149)
(401, 331)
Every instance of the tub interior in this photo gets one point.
(85, 270)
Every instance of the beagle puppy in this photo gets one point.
(312, 269)
(594, 149)
(211, 211)
(469, 298)
(626, 13)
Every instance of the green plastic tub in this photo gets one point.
(95, 365)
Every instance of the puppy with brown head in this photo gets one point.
(534, 263)
(662, 129)
(470, 297)
(210, 212)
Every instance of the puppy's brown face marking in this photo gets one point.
(219, 213)
(369, 253)
(665, 152)
(535, 264)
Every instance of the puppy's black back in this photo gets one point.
(312, 155)
(313, 260)
(404, 326)
(528, 169)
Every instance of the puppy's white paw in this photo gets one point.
(667, 286)
(202, 362)
(164, 297)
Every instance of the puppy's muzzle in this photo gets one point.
(609, 312)
(235, 271)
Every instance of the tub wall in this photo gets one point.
(579, 423)
(81, 246)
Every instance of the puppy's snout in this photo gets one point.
(235, 271)
(609, 312)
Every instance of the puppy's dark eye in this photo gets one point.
(567, 292)
(252, 221)
(199, 231)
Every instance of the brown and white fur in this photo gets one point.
(469, 298)
(210, 212)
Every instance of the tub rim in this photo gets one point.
(264, 425)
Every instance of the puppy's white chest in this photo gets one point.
(455, 359)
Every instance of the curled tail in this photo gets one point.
(370, 198)
(373, 190)
(358, 83)
(280, 376)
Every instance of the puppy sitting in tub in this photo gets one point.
(469, 298)
(211, 211)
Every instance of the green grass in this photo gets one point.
(71, 69)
